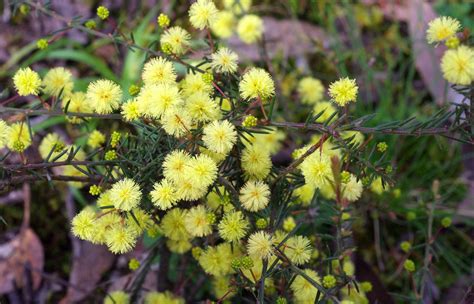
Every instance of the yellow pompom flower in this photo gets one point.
(233, 226)
(155, 100)
(162, 298)
(327, 109)
(224, 61)
(120, 239)
(222, 287)
(260, 245)
(140, 223)
(104, 96)
(256, 162)
(96, 139)
(190, 190)
(173, 226)
(130, 110)
(125, 194)
(217, 260)
(303, 290)
(198, 221)
(316, 169)
(102, 12)
(250, 28)
(457, 65)
(378, 187)
(442, 28)
(51, 145)
(76, 102)
(254, 195)
(220, 136)
(310, 90)
(177, 38)
(194, 83)
(289, 223)
(202, 13)
(176, 122)
(298, 249)
(343, 91)
(83, 224)
(158, 71)
(202, 108)
(164, 195)
(257, 83)
(27, 82)
(202, 170)
(224, 24)
(58, 80)
(163, 20)
(179, 246)
(175, 164)
(18, 137)
(270, 142)
(352, 190)
(117, 297)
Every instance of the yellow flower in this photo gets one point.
(58, 80)
(202, 170)
(256, 162)
(260, 245)
(177, 38)
(222, 287)
(139, 222)
(378, 187)
(104, 96)
(163, 20)
(311, 90)
(220, 136)
(96, 139)
(224, 24)
(164, 195)
(83, 224)
(175, 164)
(27, 82)
(18, 137)
(198, 221)
(326, 108)
(162, 298)
(254, 195)
(102, 12)
(120, 239)
(176, 122)
(289, 223)
(303, 290)
(194, 83)
(179, 246)
(130, 110)
(4, 130)
(117, 297)
(298, 249)
(442, 28)
(173, 226)
(237, 6)
(343, 91)
(202, 108)
(51, 145)
(352, 190)
(76, 102)
(233, 226)
(316, 169)
(217, 260)
(250, 28)
(257, 83)
(457, 65)
(224, 61)
(125, 194)
(158, 71)
(154, 100)
(202, 13)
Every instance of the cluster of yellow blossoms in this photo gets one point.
(192, 199)
(457, 63)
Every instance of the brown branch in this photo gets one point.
(34, 178)
(30, 112)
